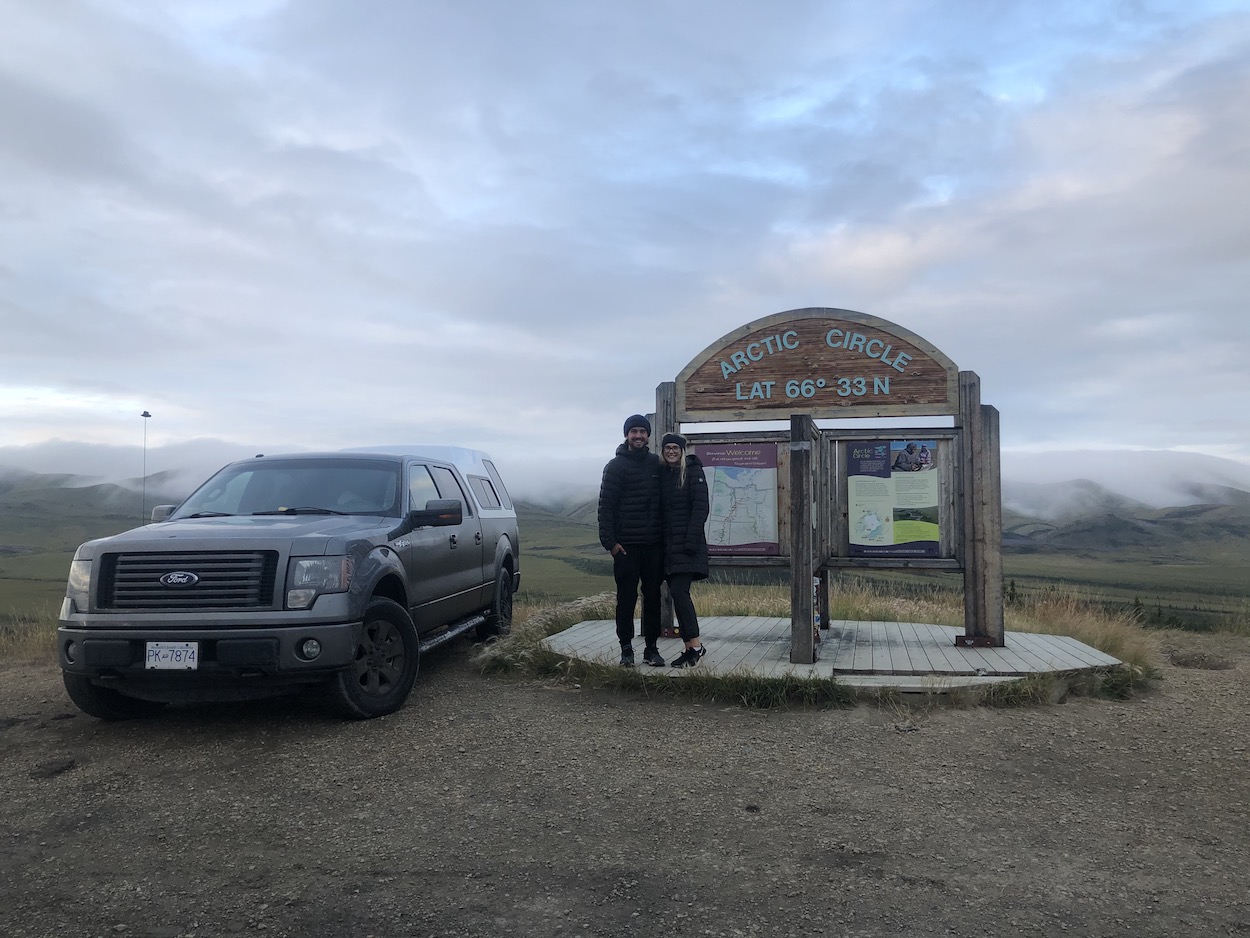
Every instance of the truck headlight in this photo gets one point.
(309, 577)
(78, 588)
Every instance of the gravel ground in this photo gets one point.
(496, 807)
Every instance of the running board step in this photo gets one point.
(453, 631)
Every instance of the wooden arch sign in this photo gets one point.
(821, 362)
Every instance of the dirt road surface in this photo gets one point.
(495, 807)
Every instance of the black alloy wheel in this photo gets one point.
(499, 619)
(384, 666)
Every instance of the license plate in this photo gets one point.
(173, 656)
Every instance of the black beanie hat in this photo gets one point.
(637, 420)
(673, 438)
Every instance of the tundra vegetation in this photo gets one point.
(1120, 595)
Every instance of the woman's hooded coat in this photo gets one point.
(685, 512)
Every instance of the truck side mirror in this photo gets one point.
(437, 513)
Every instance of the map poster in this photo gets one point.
(742, 489)
(892, 498)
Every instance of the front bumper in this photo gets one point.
(253, 655)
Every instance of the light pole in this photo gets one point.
(143, 504)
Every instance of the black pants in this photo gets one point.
(640, 563)
(683, 605)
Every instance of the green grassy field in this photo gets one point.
(1192, 592)
(560, 558)
(42, 520)
(1204, 587)
(35, 577)
(1198, 584)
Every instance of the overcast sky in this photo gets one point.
(322, 223)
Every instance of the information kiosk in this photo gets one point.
(815, 500)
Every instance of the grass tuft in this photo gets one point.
(522, 650)
(1240, 624)
(28, 635)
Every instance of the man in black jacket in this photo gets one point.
(629, 529)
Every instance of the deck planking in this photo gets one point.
(911, 656)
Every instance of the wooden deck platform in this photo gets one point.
(910, 656)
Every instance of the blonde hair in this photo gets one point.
(681, 465)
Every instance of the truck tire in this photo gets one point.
(387, 657)
(106, 703)
(499, 619)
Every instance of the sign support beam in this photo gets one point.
(983, 518)
(803, 438)
(663, 421)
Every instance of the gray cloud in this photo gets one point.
(502, 225)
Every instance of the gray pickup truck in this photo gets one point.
(281, 572)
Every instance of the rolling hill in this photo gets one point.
(1189, 563)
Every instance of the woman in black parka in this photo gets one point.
(684, 504)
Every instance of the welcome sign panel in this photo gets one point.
(742, 494)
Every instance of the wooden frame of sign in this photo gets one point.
(821, 363)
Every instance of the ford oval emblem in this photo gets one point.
(179, 578)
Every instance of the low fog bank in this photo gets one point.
(179, 467)
(1154, 478)
(1038, 484)
(546, 479)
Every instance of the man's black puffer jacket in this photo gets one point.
(629, 499)
(685, 513)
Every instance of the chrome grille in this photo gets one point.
(226, 580)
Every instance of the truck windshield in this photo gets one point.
(298, 486)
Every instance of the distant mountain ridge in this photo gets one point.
(1188, 564)
(1059, 502)
(1084, 516)
(1069, 516)
(1157, 478)
(1079, 515)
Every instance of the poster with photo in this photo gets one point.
(892, 498)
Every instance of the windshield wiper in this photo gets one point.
(211, 514)
(306, 510)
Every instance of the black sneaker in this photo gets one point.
(652, 657)
(627, 656)
(690, 657)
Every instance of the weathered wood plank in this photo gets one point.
(1091, 654)
(917, 649)
(908, 659)
(882, 660)
(943, 648)
(1028, 658)
(1089, 657)
(1054, 650)
(862, 659)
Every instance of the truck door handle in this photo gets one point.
(477, 537)
(454, 545)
